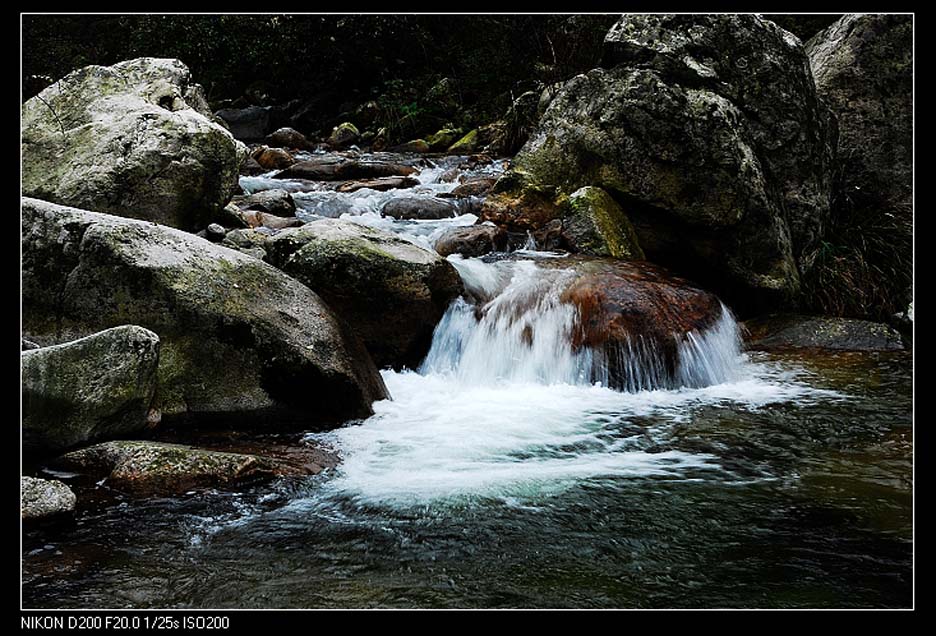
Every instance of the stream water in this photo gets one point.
(505, 474)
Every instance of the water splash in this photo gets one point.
(521, 331)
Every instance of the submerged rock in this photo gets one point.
(154, 468)
(134, 139)
(422, 208)
(44, 498)
(98, 387)
(709, 127)
(237, 335)
(390, 291)
(473, 240)
(790, 331)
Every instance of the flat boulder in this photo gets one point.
(791, 331)
(42, 499)
(419, 208)
(337, 168)
(276, 201)
(237, 336)
(381, 184)
(391, 292)
(134, 139)
(155, 468)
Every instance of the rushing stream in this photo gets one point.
(504, 473)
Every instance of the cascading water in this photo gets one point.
(504, 404)
(522, 331)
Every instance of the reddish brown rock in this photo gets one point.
(474, 187)
(273, 158)
(474, 240)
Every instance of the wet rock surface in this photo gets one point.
(638, 313)
(156, 468)
(791, 331)
(422, 208)
(337, 168)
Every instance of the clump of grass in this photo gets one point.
(864, 267)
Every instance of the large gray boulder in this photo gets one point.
(97, 387)
(44, 498)
(133, 139)
(237, 335)
(863, 68)
(708, 131)
(392, 293)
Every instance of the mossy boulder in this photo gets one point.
(343, 135)
(390, 291)
(709, 130)
(442, 139)
(237, 336)
(154, 468)
(133, 139)
(465, 145)
(98, 387)
(595, 224)
(42, 499)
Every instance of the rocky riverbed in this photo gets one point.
(285, 355)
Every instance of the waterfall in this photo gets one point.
(521, 331)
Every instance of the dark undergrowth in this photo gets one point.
(864, 267)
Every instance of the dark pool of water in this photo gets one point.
(818, 514)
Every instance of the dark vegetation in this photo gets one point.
(335, 63)
(864, 267)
